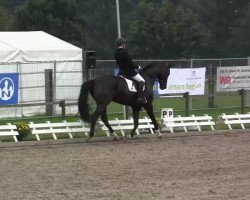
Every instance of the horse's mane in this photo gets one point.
(151, 67)
(148, 66)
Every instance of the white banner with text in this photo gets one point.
(233, 78)
(184, 80)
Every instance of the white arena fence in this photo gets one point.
(9, 130)
(236, 119)
(128, 124)
(192, 122)
(58, 128)
(81, 129)
(42, 85)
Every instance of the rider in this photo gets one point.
(128, 68)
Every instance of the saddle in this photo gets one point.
(134, 86)
(131, 84)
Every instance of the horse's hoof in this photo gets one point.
(115, 137)
(132, 136)
(159, 134)
(88, 138)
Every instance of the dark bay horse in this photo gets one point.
(109, 88)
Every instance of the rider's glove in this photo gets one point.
(138, 67)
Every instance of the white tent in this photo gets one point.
(35, 46)
(30, 54)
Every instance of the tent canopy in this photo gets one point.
(35, 46)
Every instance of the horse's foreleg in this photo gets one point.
(136, 111)
(104, 118)
(149, 108)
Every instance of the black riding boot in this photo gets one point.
(141, 95)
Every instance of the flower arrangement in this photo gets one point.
(23, 130)
(159, 121)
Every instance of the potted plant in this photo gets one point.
(23, 130)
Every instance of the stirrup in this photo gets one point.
(142, 100)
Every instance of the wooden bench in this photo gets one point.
(240, 119)
(128, 124)
(58, 128)
(9, 130)
(187, 122)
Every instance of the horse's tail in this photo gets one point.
(83, 106)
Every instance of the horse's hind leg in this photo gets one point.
(98, 111)
(104, 118)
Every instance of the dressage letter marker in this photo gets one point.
(167, 112)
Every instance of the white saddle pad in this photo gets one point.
(130, 84)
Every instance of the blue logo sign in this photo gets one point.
(156, 88)
(8, 88)
(116, 71)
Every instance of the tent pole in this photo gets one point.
(54, 90)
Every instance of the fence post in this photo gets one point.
(190, 101)
(186, 96)
(242, 97)
(49, 91)
(248, 92)
(19, 71)
(211, 84)
(62, 104)
(54, 86)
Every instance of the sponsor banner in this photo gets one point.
(233, 78)
(184, 80)
(8, 88)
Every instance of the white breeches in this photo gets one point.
(138, 78)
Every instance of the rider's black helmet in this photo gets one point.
(120, 41)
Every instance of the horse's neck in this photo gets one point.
(150, 75)
(149, 80)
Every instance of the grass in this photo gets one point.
(199, 105)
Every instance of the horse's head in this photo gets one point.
(162, 75)
(159, 72)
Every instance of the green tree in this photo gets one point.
(11, 5)
(157, 29)
(145, 31)
(167, 31)
(102, 25)
(57, 17)
(101, 22)
(224, 18)
(239, 43)
(6, 20)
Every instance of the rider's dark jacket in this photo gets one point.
(125, 63)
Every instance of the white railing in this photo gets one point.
(9, 130)
(240, 119)
(128, 124)
(58, 128)
(186, 122)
